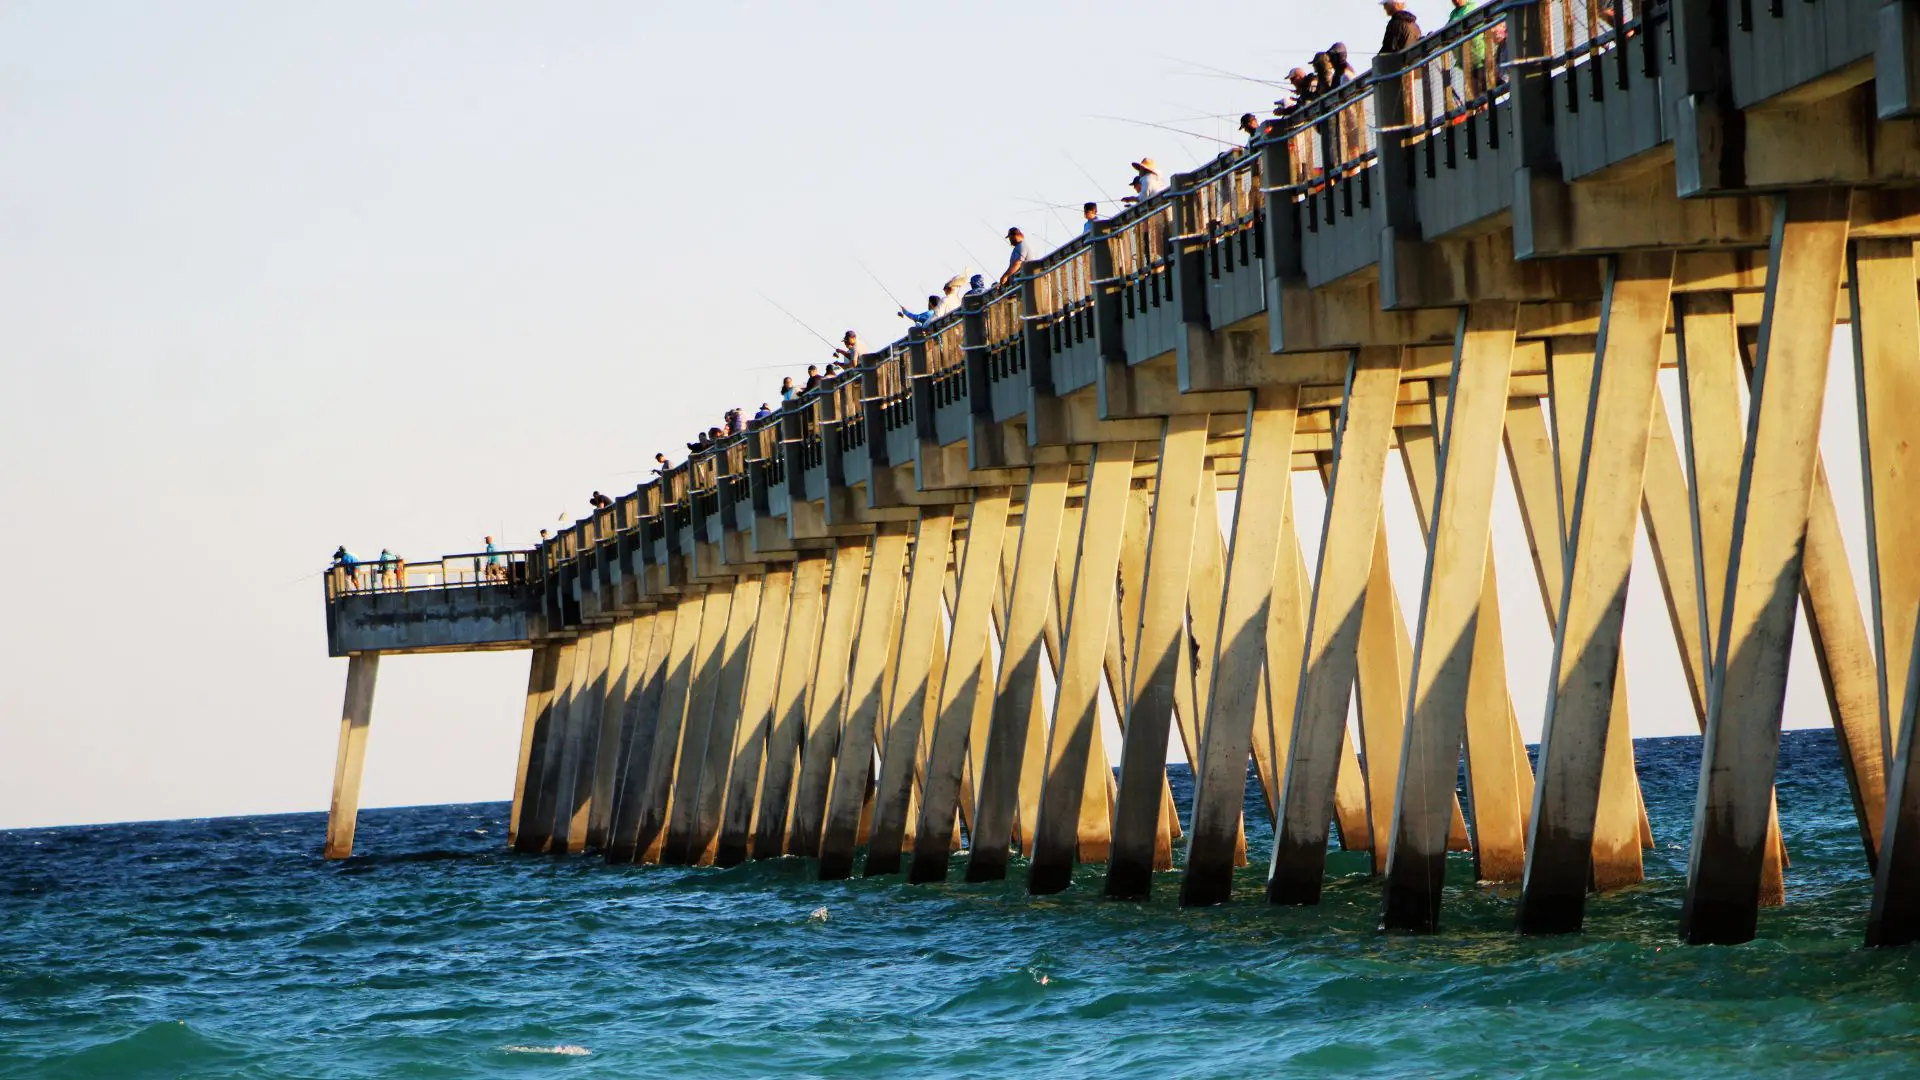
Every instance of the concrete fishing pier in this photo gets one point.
(828, 637)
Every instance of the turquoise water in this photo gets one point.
(228, 948)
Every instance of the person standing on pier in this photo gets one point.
(1091, 211)
(389, 578)
(849, 350)
(813, 379)
(1249, 126)
(1403, 30)
(599, 501)
(348, 566)
(763, 413)
(1017, 259)
(494, 571)
(660, 466)
(787, 392)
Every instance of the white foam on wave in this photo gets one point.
(563, 1050)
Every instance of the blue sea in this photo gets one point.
(229, 948)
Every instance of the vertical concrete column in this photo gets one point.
(1620, 820)
(1444, 650)
(1747, 689)
(1063, 828)
(1017, 693)
(606, 754)
(662, 743)
(1331, 657)
(355, 713)
(708, 659)
(916, 691)
(1570, 790)
(788, 722)
(637, 727)
(827, 708)
(1159, 636)
(747, 771)
(540, 678)
(966, 682)
(543, 759)
(1260, 593)
(866, 702)
(724, 718)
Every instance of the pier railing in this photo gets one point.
(447, 572)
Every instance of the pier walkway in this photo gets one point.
(828, 637)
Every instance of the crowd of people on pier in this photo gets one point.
(1328, 70)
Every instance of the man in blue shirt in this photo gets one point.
(922, 318)
(1019, 256)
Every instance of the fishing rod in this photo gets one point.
(1097, 186)
(883, 286)
(1232, 74)
(797, 319)
(1162, 127)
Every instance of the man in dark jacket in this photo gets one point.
(1402, 28)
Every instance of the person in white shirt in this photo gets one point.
(1151, 182)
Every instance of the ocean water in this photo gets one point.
(229, 948)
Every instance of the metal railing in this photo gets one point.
(944, 346)
(1141, 245)
(1452, 76)
(446, 573)
(1331, 137)
(1063, 295)
(1562, 35)
(1225, 207)
(1006, 337)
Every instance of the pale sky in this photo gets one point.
(278, 277)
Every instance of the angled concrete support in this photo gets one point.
(1499, 776)
(966, 683)
(788, 720)
(1262, 590)
(1581, 701)
(1747, 688)
(744, 776)
(543, 761)
(1017, 693)
(866, 702)
(1621, 820)
(355, 714)
(1329, 664)
(642, 719)
(656, 743)
(700, 843)
(540, 678)
(1063, 827)
(1444, 650)
(709, 661)
(1159, 637)
(566, 755)
(1886, 333)
(606, 743)
(916, 689)
(827, 697)
(1707, 347)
